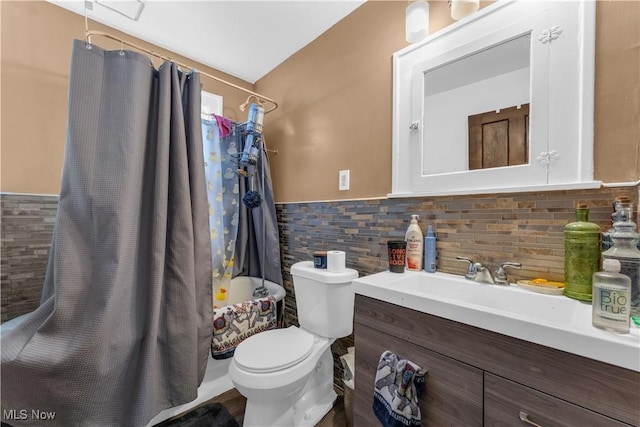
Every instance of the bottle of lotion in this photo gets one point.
(415, 242)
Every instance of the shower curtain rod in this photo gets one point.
(261, 99)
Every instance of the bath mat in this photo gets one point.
(209, 415)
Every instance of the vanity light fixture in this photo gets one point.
(417, 21)
(462, 8)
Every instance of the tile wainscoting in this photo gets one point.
(26, 230)
(523, 227)
(519, 227)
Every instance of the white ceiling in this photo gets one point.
(246, 39)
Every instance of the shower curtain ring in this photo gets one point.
(121, 47)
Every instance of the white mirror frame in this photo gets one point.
(562, 98)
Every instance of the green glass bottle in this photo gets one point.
(581, 255)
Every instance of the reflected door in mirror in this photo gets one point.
(500, 78)
(499, 138)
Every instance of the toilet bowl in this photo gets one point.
(287, 374)
(274, 392)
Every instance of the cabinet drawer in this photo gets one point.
(504, 400)
(453, 392)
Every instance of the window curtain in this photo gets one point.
(124, 327)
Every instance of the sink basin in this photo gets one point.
(510, 300)
(554, 321)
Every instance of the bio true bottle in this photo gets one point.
(611, 298)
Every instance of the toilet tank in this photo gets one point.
(324, 299)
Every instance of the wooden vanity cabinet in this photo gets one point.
(478, 377)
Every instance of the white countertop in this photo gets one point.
(550, 320)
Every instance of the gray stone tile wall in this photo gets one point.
(523, 227)
(26, 231)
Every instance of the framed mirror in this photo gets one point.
(499, 102)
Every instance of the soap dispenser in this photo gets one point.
(415, 244)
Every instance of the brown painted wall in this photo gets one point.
(335, 97)
(617, 91)
(336, 102)
(36, 39)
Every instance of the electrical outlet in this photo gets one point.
(343, 182)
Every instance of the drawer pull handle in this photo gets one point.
(524, 417)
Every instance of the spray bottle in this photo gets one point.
(430, 251)
(415, 244)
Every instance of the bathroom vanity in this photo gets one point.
(495, 356)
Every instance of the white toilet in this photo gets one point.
(287, 374)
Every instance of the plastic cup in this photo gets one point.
(397, 251)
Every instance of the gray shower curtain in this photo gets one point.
(249, 257)
(124, 327)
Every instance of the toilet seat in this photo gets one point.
(274, 350)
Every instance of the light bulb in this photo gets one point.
(462, 8)
(417, 21)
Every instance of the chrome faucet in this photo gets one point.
(501, 275)
(477, 271)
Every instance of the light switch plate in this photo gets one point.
(343, 182)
